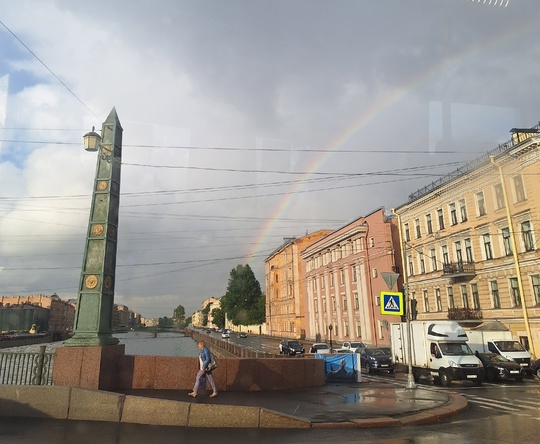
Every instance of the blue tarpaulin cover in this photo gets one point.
(340, 367)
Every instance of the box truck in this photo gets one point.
(500, 342)
(438, 349)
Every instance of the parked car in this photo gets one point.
(320, 347)
(375, 359)
(355, 346)
(242, 334)
(225, 335)
(386, 350)
(497, 367)
(536, 368)
(291, 348)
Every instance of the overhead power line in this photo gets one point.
(48, 69)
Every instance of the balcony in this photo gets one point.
(459, 269)
(464, 314)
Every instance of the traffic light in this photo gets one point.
(414, 311)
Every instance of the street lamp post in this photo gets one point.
(330, 327)
(95, 303)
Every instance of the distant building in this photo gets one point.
(472, 249)
(343, 280)
(121, 317)
(285, 299)
(57, 318)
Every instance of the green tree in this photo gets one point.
(205, 312)
(179, 317)
(242, 302)
(218, 318)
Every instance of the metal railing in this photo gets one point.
(21, 368)
(459, 268)
(518, 137)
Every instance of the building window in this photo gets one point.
(499, 197)
(514, 292)
(459, 254)
(315, 306)
(526, 232)
(422, 263)
(450, 293)
(495, 299)
(536, 288)
(277, 278)
(342, 276)
(453, 214)
(468, 251)
(487, 246)
(407, 233)
(356, 301)
(440, 217)
(358, 329)
(446, 258)
(518, 188)
(463, 210)
(438, 300)
(334, 305)
(417, 228)
(344, 303)
(411, 267)
(322, 283)
(507, 241)
(354, 273)
(426, 300)
(433, 260)
(480, 204)
(346, 328)
(475, 296)
(464, 296)
(315, 285)
(324, 305)
(429, 224)
(331, 280)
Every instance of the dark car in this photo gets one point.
(375, 359)
(386, 350)
(242, 334)
(497, 367)
(291, 348)
(536, 368)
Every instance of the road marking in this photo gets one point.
(508, 406)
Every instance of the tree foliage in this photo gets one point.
(179, 317)
(218, 317)
(244, 302)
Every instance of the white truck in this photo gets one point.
(439, 349)
(500, 342)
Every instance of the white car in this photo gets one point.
(225, 335)
(320, 347)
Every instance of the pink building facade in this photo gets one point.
(343, 280)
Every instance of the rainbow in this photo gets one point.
(375, 110)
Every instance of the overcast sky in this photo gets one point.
(245, 122)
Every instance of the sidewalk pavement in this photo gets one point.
(370, 403)
(373, 402)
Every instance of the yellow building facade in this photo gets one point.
(471, 242)
(285, 277)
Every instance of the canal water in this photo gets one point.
(137, 343)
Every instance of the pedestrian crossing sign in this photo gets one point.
(391, 303)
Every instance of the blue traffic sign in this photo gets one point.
(391, 303)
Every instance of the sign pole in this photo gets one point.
(410, 376)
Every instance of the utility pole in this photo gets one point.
(410, 376)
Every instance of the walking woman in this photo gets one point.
(204, 362)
